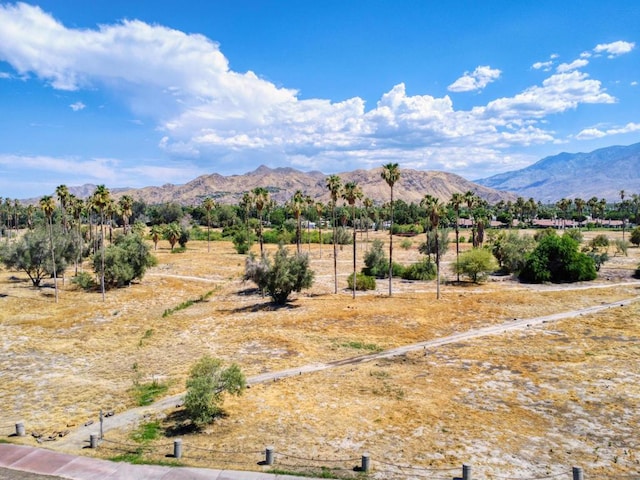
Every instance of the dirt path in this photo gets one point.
(79, 438)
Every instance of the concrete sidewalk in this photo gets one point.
(46, 462)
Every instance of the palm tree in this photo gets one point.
(48, 206)
(368, 204)
(457, 199)
(391, 174)
(208, 204)
(172, 233)
(74, 208)
(580, 204)
(471, 200)
(62, 191)
(296, 205)
(435, 211)
(101, 199)
(622, 195)
(319, 209)
(261, 201)
(309, 202)
(334, 184)
(352, 192)
(156, 233)
(126, 210)
(30, 212)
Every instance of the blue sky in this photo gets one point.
(137, 93)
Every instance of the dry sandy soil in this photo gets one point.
(528, 403)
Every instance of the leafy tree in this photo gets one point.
(31, 253)
(476, 264)
(390, 174)
(125, 260)
(206, 385)
(242, 240)
(375, 261)
(635, 236)
(425, 269)
(363, 282)
(557, 259)
(286, 274)
(511, 249)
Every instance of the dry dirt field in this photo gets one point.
(529, 403)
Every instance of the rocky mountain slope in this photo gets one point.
(602, 173)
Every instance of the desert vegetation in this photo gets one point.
(535, 401)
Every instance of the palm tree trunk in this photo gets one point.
(53, 258)
(391, 245)
(102, 242)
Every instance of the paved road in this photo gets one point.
(80, 437)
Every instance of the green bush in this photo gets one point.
(476, 264)
(242, 241)
(405, 244)
(575, 234)
(423, 270)
(375, 261)
(84, 280)
(557, 259)
(125, 260)
(363, 282)
(635, 236)
(206, 385)
(511, 249)
(599, 241)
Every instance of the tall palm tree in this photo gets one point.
(435, 211)
(368, 205)
(390, 174)
(30, 212)
(319, 209)
(457, 199)
(563, 205)
(624, 220)
(296, 205)
(156, 234)
(48, 206)
(101, 199)
(261, 201)
(309, 202)
(334, 184)
(62, 191)
(471, 200)
(208, 204)
(580, 204)
(351, 193)
(126, 210)
(74, 209)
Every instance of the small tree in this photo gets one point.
(476, 264)
(287, 274)
(635, 236)
(125, 260)
(375, 261)
(206, 385)
(511, 249)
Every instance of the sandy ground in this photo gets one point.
(527, 403)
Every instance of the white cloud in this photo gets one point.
(567, 67)
(634, 83)
(590, 133)
(476, 80)
(4, 75)
(615, 48)
(545, 66)
(77, 106)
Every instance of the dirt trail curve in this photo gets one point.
(79, 438)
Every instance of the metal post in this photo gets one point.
(466, 472)
(20, 432)
(93, 440)
(577, 473)
(177, 448)
(366, 462)
(268, 456)
(101, 421)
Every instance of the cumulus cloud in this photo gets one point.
(590, 133)
(202, 110)
(545, 66)
(77, 106)
(476, 80)
(615, 49)
(567, 67)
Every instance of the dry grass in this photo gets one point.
(536, 401)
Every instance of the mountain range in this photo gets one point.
(602, 173)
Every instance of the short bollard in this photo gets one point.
(366, 462)
(268, 456)
(20, 432)
(93, 440)
(577, 473)
(466, 472)
(177, 448)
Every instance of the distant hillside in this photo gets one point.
(602, 173)
(283, 182)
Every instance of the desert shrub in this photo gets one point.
(511, 249)
(84, 280)
(125, 260)
(375, 261)
(242, 241)
(184, 237)
(575, 234)
(476, 264)
(343, 236)
(461, 239)
(286, 274)
(557, 259)
(599, 241)
(634, 237)
(363, 282)
(412, 229)
(405, 244)
(206, 385)
(599, 258)
(540, 234)
(423, 270)
(429, 246)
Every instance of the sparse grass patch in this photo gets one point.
(187, 304)
(146, 393)
(357, 345)
(147, 432)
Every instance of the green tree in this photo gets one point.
(208, 204)
(156, 234)
(286, 274)
(435, 211)
(207, 383)
(352, 192)
(635, 236)
(557, 259)
(126, 259)
(476, 264)
(390, 174)
(334, 184)
(126, 210)
(48, 206)
(261, 201)
(101, 199)
(457, 199)
(375, 261)
(172, 233)
(511, 250)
